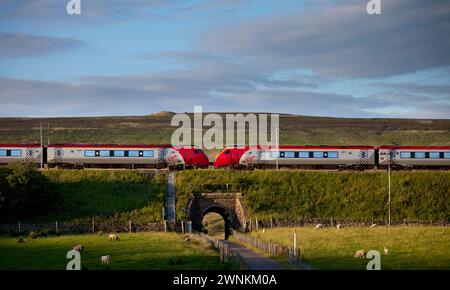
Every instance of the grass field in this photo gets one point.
(112, 195)
(416, 195)
(301, 130)
(140, 251)
(409, 247)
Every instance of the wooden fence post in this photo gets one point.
(295, 241)
(129, 226)
(93, 226)
(256, 221)
(182, 227)
(165, 226)
(56, 226)
(19, 227)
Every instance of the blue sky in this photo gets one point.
(321, 57)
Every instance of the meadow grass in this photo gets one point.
(410, 247)
(105, 196)
(135, 251)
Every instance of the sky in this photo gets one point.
(303, 57)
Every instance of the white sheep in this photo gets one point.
(373, 225)
(338, 226)
(78, 248)
(360, 254)
(264, 230)
(105, 260)
(114, 237)
(318, 226)
(386, 251)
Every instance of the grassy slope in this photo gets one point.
(293, 130)
(416, 195)
(134, 251)
(106, 195)
(409, 247)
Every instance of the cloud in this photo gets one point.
(27, 45)
(339, 39)
(131, 95)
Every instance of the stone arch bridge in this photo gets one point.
(228, 205)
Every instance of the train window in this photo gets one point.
(227, 151)
(325, 154)
(441, 154)
(413, 154)
(89, 153)
(434, 155)
(196, 151)
(289, 154)
(405, 155)
(119, 153)
(2, 152)
(16, 153)
(333, 154)
(133, 153)
(141, 153)
(104, 153)
(281, 154)
(318, 154)
(420, 155)
(446, 154)
(303, 154)
(149, 153)
(296, 154)
(274, 154)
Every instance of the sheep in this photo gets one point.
(360, 254)
(78, 248)
(386, 251)
(105, 260)
(318, 226)
(187, 239)
(373, 225)
(114, 237)
(264, 230)
(338, 226)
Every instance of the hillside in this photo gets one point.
(293, 130)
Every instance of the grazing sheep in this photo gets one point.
(78, 248)
(114, 237)
(318, 226)
(386, 251)
(360, 254)
(105, 260)
(187, 239)
(264, 230)
(338, 226)
(373, 225)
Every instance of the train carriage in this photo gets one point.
(112, 155)
(414, 156)
(25, 153)
(298, 156)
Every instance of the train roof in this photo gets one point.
(305, 147)
(74, 145)
(19, 145)
(414, 147)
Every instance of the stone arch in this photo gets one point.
(226, 216)
(228, 205)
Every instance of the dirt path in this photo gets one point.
(252, 260)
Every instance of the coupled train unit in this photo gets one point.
(105, 155)
(167, 156)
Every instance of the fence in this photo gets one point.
(80, 228)
(254, 223)
(271, 248)
(225, 254)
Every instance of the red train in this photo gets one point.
(167, 156)
(105, 155)
(360, 157)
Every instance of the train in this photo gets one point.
(339, 157)
(105, 155)
(244, 157)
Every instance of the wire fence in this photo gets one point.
(292, 253)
